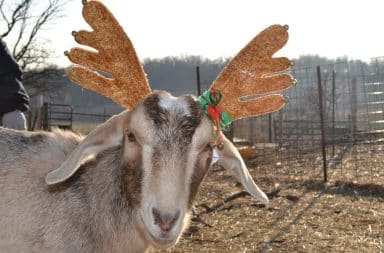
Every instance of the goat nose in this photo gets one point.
(165, 221)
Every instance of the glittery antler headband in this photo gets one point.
(245, 84)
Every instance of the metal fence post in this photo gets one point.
(321, 110)
(198, 83)
(45, 116)
(353, 109)
(270, 128)
(333, 110)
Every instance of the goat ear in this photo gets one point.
(104, 136)
(231, 160)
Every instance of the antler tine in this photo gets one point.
(253, 71)
(115, 55)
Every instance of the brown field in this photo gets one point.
(304, 215)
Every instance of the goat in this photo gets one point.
(128, 185)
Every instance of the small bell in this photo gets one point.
(220, 146)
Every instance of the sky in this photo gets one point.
(220, 28)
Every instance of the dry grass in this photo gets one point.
(347, 215)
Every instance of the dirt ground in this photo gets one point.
(304, 215)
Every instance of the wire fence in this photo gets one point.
(334, 118)
(349, 122)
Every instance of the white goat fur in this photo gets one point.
(91, 207)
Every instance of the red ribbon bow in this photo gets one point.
(214, 111)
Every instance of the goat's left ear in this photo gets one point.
(104, 136)
(231, 160)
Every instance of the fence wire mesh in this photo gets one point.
(290, 140)
(353, 120)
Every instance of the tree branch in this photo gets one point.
(2, 12)
(26, 25)
(18, 15)
(48, 80)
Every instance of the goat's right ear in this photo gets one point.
(104, 136)
(232, 161)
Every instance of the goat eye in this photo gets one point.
(131, 137)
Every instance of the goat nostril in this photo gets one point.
(156, 215)
(165, 221)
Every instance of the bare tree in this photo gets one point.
(22, 22)
(48, 80)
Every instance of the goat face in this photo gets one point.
(167, 140)
(171, 137)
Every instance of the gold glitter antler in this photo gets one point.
(253, 71)
(114, 55)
